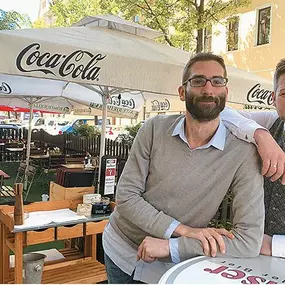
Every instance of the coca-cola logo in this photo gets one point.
(160, 105)
(120, 102)
(258, 95)
(79, 63)
(116, 109)
(5, 88)
(52, 108)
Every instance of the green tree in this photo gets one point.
(12, 20)
(182, 22)
(65, 13)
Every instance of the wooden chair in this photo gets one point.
(54, 163)
(1, 181)
(7, 191)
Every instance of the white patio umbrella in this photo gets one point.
(106, 54)
(62, 97)
(114, 60)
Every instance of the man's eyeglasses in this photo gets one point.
(201, 81)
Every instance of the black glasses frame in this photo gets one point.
(206, 80)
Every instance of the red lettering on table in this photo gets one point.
(217, 270)
(239, 274)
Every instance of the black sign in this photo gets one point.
(5, 88)
(157, 106)
(32, 59)
(258, 95)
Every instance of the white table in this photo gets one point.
(203, 269)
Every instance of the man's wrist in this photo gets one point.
(181, 230)
(259, 134)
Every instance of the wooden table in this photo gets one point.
(6, 176)
(219, 270)
(77, 267)
(39, 156)
(15, 149)
(78, 166)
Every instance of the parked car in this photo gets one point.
(50, 125)
(9, 132)
(111, 131)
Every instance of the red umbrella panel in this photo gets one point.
(19, 109)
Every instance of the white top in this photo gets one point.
(243, 124)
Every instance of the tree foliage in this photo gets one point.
(65, 13)
(181, 22)
(86, 131)
(12, 20)
(130, 134)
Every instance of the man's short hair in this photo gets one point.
(279, 70)
(207, 56)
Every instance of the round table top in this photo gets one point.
(203, 269)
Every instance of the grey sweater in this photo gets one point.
(164, 180)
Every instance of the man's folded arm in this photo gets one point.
(243, 124)
(248, 222)
(129, 201)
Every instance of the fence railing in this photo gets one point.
(70, 143)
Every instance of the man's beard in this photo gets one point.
(204, 112)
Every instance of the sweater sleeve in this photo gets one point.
(248, 214)
(129, 201)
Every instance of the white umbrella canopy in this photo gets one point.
(109, 57)
(64, 97)
(105, 53)
(249, 89)
(94, 56)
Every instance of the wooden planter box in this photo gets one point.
(58, 192)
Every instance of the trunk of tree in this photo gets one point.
(199, 39)
(199, 45)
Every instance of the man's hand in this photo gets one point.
(211, 238)
(273, 157)
(153, 248)
(266, 248)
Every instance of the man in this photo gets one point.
(274, 191)
(179, 170)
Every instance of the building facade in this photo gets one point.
(251, 39)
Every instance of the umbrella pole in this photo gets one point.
(28, 146)
(103, 129)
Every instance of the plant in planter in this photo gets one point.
(86, 131)
(128, 137)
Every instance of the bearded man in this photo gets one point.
(179, 170)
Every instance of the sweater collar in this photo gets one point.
(217, 141)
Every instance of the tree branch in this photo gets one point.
(150, 11)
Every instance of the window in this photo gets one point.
(263, 32)
(40, 122)
(208, 39)
(232, 36)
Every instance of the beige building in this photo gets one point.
(43, 7)
(253, 39)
